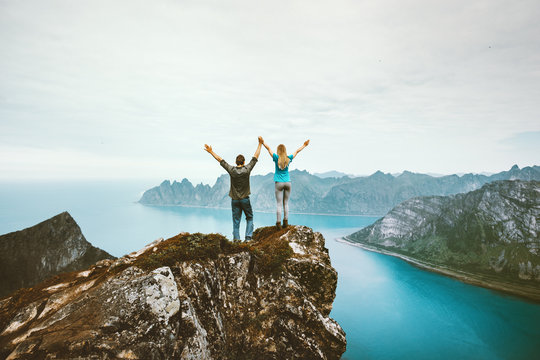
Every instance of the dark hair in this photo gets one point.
(240, 160)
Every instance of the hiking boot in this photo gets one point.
(278, 225)
(285, 223)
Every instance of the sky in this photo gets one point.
(133, 89)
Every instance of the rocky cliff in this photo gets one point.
(193, 296)
(370, 195)
(56, 245)
(493, 232)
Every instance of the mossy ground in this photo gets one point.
(269, 250)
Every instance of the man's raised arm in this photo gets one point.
(208, 148)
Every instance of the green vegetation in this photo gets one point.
(184, 247)
(269, 250)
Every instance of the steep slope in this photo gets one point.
(56, 245)
(493, 232)
(370, 195)
(193, 296)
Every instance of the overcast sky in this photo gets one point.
(133, 89)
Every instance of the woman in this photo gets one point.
(282, 180)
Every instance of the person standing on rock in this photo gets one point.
(239, 191)
(282, 180)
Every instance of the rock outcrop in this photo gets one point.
(193, 296)
(493, 232)
(370, 195)
(53, 246)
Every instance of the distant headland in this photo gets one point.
(368, 195)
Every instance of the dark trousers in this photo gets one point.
(237, 207)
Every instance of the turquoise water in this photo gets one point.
(388, 308)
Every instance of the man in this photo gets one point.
(239, 191)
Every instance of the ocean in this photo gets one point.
(388, 308)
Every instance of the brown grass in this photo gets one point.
(269, 251)
(23, 297)
(185, 247)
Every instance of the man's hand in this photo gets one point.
(261, 141)
(306, 143)
(208, 148)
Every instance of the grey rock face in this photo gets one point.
(494, 230)
(371, 195)
(57, 245)
(219, 307)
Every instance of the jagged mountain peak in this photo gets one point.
(53, 246)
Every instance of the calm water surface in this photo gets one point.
(388, 308)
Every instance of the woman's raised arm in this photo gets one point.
(306, 143)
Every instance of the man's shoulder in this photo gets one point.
(226, 166)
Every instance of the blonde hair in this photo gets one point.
(283, 160)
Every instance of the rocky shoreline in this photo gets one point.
(526, 292)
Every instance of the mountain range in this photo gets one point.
(369, 195)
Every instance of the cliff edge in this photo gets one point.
(192, 296)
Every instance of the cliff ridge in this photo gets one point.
(193, 296)
(490, 236)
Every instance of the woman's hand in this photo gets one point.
(306, 143)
